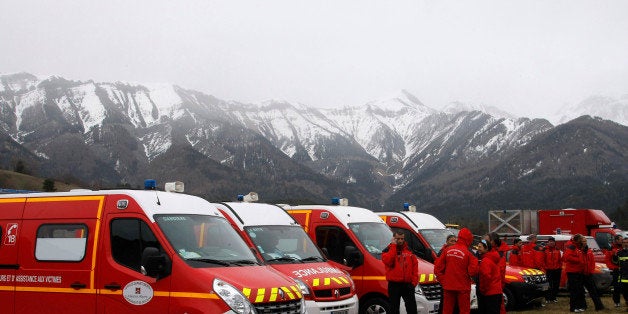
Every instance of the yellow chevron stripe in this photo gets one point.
(344, 280)
(260, 295)
(296, 290)
(316, 282)
(327, 281)
(273, 294)
(288, 292)
(336, 280)
(247, 292)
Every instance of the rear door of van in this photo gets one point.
(10, 222)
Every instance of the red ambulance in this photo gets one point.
(282, 243)
(353, 239)
(127, 251)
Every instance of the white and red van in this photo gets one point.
(127, 251)
(282, 243)
(353, 239)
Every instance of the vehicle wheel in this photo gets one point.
(509, 300)
(375, 306)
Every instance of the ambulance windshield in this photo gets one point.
(284, 244)
(373, 236)
(205, 241)
(436, 237)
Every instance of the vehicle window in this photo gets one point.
(61, 242)
(604, 240)
(592, 244)
(129, 238)
(204, 241)
(437, 237)
(333, 241)
(375, 237)
(277, 241)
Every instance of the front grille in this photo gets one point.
(535, 279)
(329, 293)
(290, 307)
(432, 291)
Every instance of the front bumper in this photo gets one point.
(348, 306)
(526, 293)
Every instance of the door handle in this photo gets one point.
(113, 286)
(78, 285)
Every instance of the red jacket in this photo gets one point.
(553, 258)
(609, 256)
(502, 251)
(574, 259)
(515, 256)
(490, 274)
(402, 267)
(455, 267)
(532, 256)
(589, 262)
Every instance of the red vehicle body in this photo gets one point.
(124, 251)
(590, 222)
(353, 238)
(326, 289)
(426, 236)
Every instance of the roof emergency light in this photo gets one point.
(176, 186)
(408, 207)
(340, 201)
(250, 198)
(150, 184)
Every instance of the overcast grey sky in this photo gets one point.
(528, 57)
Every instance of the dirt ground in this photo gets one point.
(562, 307)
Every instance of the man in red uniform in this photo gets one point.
(574, 267)
(515, 253)
(615, 247)
(588, 282)
(454, 270)
(402, 273)
(532, 254)
(489, 280)
(553, 262)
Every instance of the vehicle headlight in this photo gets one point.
(350, 280)
(305, 290)
(418, 290)
(233, 297)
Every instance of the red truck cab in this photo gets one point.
(283, 244)
(353, 238)
(128, 251)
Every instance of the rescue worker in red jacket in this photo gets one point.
(532, 254)
(615, 247)
(501, 248)
(553, 262)
(574, 267)
(402, 273)
(455, 270)
(515, 253)
(589, 268)
(489, 280)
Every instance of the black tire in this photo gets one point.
(509, 299)
(375, 306)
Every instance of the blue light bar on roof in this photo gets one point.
(150, 184)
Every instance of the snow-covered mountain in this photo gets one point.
(607, 108)
(106, 134)
(456, 107)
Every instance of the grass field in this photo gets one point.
(562, 307)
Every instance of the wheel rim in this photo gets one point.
(505, 296)
(375, 309)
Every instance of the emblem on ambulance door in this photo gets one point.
(138, 292)
(394, 219)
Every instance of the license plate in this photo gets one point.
(436, 307)
(340, 312)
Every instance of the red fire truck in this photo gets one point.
(282, 243)
(127, 251)
(353, 239)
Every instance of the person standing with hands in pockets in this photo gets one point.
(402, 273)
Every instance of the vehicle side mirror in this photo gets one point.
(353, 257)
(325, 252)
(155, 264)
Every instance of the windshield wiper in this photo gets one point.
(244, 261)
(283, 259)
(209, 260)
(313, 258)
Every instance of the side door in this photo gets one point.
(333, 240)
(10, 222)
(123, 286)
(56, 255)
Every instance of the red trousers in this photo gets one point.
(462, 298)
